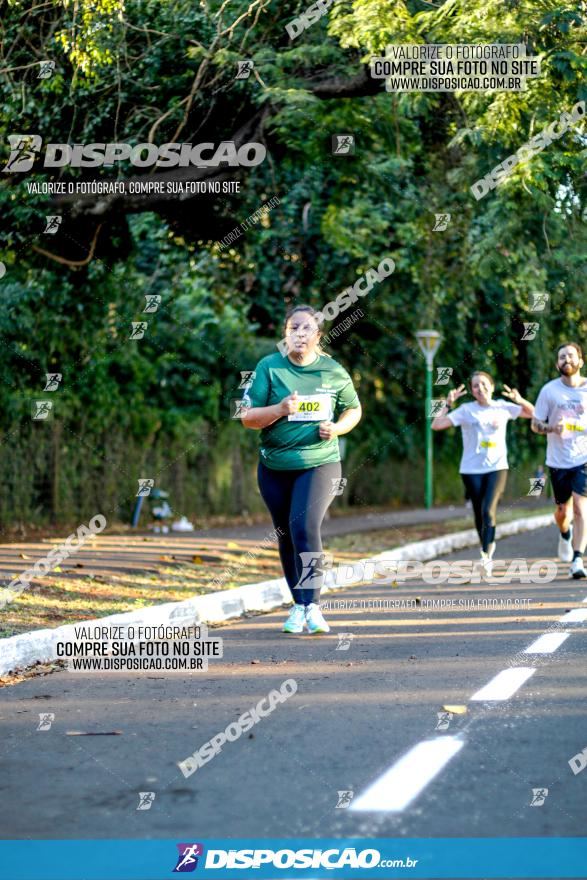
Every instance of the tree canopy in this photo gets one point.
(166, 72)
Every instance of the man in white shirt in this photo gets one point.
(484, 462)
(561, 414)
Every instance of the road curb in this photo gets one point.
(40, 645)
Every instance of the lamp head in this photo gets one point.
(428, 342)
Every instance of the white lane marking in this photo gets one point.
(577, 615)
(404, 781)
(407, 777)
(547, 643)
(504, 684)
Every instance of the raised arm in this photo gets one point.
(514, 395)
(442, 421)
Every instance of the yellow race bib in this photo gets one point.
(312, 408)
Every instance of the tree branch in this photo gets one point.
(341, 87)
(73, 264)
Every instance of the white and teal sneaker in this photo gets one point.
(315, 619)
(295, 621)
(565, 548)
(486, 565)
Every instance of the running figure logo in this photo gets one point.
(53, 380)
(146, 799)
(145, 486)
(539, 795)
(23, 152)
(441, 222)
(444, 719)
(46, 69)
(536, 485)
(153, 301)
(443, 374)
(188, 857)
(245, 68)
(138, 329)
(53, 222)
(344, 641)
(343, 144)
(247, 377)
(338, 484)
(530, 331)
(436, 405)
(538, 302)
(241, 406)
(344, 799)
(45, 720)
(313, 569)
(43, 409)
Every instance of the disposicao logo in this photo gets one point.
(24, 149)
(187, 859)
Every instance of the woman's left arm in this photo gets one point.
(345, 423)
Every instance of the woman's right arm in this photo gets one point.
(442, 421)
(258, 417)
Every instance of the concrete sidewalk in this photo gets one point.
(39, 645)
(349, 523)
(140, 550)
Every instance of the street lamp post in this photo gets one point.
(428, 341)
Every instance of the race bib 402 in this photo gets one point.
(312, 408)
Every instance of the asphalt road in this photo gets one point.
(355, 714)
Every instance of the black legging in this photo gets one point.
(485, 490)
(297, 501)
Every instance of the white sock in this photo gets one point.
(491, 550)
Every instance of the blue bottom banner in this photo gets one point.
(272, 858)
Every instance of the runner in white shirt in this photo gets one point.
(484, 463)
(561, 414)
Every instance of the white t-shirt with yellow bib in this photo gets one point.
(557, 402)
(484, 434)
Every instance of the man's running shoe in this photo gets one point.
(578, 569)
(315, 619)
(565, 548)
(295, 621)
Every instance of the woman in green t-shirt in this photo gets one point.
(302, 401)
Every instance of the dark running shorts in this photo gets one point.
(565, 481)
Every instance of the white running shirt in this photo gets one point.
(484, 434)
(558, 401)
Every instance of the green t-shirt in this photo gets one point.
(292, 445)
